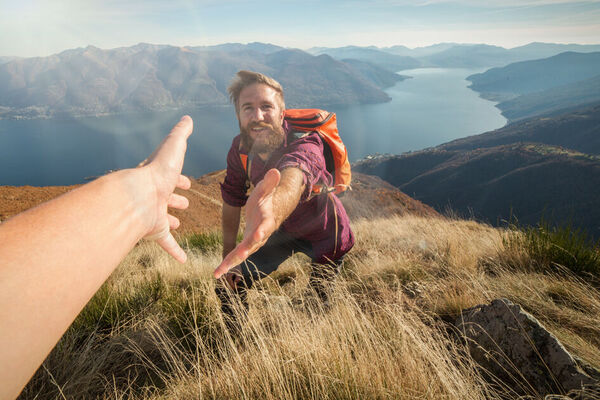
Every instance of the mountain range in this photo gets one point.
(451, 55)
(543, 167)
(535, 87)
(533, 76)
(92, 81)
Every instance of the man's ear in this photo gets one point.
(282, 116)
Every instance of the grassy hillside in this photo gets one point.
(154, 331)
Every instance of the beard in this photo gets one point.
(267, 143)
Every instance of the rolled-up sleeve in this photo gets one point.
(233, 188)
(306, 154)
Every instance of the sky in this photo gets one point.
(39, 28)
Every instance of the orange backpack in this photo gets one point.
(304, 121)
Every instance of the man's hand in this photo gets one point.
(164, 168)
(261, 222)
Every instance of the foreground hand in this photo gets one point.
(260, 223)
(164, 168)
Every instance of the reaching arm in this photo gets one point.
(270, 203)
(287, 194)
(230, 223)
(53, 258)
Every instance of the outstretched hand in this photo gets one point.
(260, 223)
(164, 170)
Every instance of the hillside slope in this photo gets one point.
(555, 99)
(517, 171)
(578, 130)
(370, 197)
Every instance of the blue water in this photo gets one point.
(433, 107)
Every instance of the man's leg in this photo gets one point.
(234, 305)
(322, 277)
(267, 259)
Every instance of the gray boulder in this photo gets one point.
(513, 348)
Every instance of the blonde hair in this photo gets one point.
(244, 79)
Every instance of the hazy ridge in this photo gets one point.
(92, 81)
(536, 75)
(451, 55)
(535, 87)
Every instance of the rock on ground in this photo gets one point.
(513, 347)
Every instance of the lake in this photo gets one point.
(431, 108)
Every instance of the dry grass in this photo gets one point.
(155, 330)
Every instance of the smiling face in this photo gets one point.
(260, 115)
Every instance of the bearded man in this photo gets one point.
(282, 216)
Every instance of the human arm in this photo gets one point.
(53, 258)
(271, 202)
(230, 224)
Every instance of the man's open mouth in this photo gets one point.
(260, 129)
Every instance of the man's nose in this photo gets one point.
(258, 115)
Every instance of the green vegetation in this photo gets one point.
(205, 242)
(551, 150)
(110, 309)
(557, 247)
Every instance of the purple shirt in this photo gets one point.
(320, 219)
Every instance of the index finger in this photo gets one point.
(175, 143)
(235, 257)
(248, 246)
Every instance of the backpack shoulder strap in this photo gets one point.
(246, 160)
